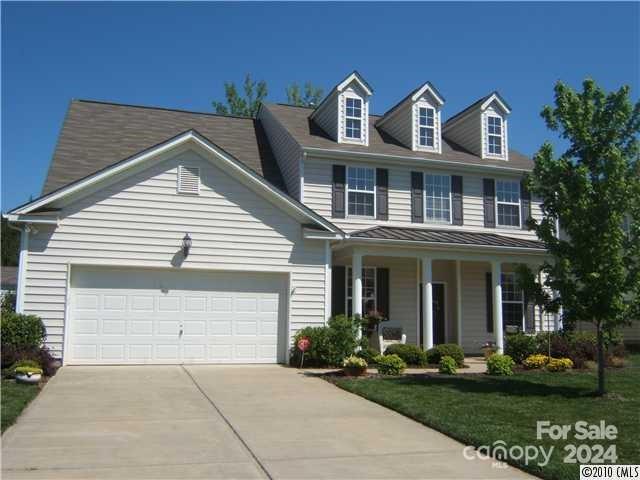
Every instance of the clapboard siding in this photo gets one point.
(400, 125)
(474, 304)
(286, 150)
(326, 116)
(467, 132)
(140, 221)
(317, 195)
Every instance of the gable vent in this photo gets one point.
(188, 180)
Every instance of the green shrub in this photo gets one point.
(368, 354)
(447, 365)
(22, 331)
(520, 346)
(500, 365)
(453, 350)
(559, 364)
(330, 345)
(411, 354)
(390, 364)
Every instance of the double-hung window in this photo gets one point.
(427, 127)
(494, 135)
(508, 203)
(512, 302)
(368, 290)
(437, 189)
(361, 191)
(353, 118)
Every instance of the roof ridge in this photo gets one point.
(152, 107)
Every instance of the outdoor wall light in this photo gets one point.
(186, 244)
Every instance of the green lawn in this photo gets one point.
(15, 397)
(479, 409)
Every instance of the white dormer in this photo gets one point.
(344, 113)
(482, 127)
(415, 120)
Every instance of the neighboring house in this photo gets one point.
(165, 236)
(8, 280)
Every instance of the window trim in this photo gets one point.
(501, 136)
(348, 117)
(433, 128)
(348, 299)
(521, 301)
(349, 189)
(424, 200)
(498, 224)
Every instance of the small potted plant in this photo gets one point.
(488, 349)
(354, 366)
(28, 374)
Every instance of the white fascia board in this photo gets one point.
(354, 77)
(240, 170)
(417, 244)
(312, 234)
(427, 88)
(495, 98)
(30, 219)
(407, 161)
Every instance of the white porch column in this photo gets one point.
(356, 278)
(496, 276)
(327, 281)
(22, 268)
(459, 302)
(427, 303)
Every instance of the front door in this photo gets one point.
(438, 305)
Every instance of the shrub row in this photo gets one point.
(579, 347)
(415, 356)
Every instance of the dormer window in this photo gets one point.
(427, 127)
(494, 135)
(353, 118)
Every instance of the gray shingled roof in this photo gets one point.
(308, 134)
(445, 236)
(97, 134)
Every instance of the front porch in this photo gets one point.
(473, 294)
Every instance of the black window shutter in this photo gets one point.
(382, 194)
(457, 215)
(417, 207)
(489, 195)
(489, 288)
(338, 191)
(525, 202)
(382, 291)
(338, 290)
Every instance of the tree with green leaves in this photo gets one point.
(10, 245)
(243, 106)
(248, 103)
(589, 190)
(309, 97)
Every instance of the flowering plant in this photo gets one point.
(353, 361)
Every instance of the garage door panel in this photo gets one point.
(170, 317)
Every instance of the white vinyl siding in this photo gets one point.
(140, 221)
(317, 194)
(400, 125)
(286, 151)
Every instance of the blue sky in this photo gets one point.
(178, 56)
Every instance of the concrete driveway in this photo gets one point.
(221, 422)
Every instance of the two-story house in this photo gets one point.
(165, 236)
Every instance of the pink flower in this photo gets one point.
(304, 343)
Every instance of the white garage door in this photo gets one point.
(161, 316)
